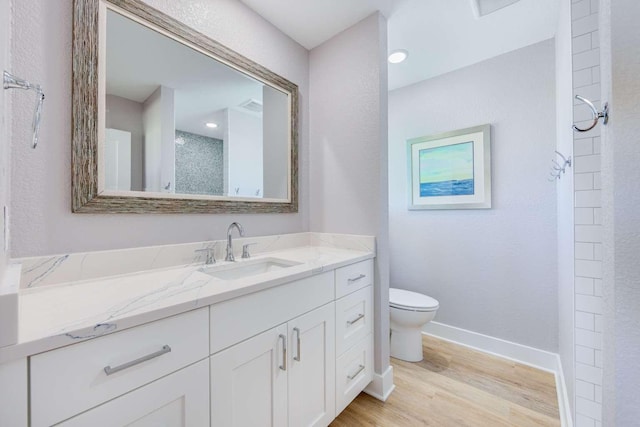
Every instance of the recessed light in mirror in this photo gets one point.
(397, 56)
(211, 125)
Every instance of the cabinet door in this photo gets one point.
(179, 399)
(249, 382)
(312, 368)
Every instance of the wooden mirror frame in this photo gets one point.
(86, 121)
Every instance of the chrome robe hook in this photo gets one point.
(558, 169)
(12, 82)
(597, 115)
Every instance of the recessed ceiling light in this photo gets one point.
(397, 56)
(211, 125)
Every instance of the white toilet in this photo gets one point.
(410, 311)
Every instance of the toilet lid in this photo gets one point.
(399, 298)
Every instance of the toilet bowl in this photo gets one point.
(410, 311)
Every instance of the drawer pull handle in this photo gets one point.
(297, 357)
(351, 322)
(360, 369)
(355, 279)
(284, 352)
(109, 370)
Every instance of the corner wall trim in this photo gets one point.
(526, 355)
(563, 397)
(382, 385)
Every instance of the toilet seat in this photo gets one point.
(412, 301)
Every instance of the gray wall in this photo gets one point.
(124, 114)
(564, 186)
(348, 133)
(621, 201)
(199, 164)
(494, 271)
(42, 222)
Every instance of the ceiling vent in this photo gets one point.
(252, 105)
(485, 7)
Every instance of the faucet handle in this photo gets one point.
(211, 258)
(245, 250)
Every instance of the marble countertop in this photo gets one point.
(58, 315)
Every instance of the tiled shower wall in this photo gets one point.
(199, 164)
(588, 218)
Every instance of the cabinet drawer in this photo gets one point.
(354, 318)
(241, 318)
(353, 277)
(73, 379)
(178, 400)
(354, 371)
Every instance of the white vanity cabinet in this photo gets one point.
(248, 388)
(285, 375)
(180, 399)
(299, 373)
(73, 379)
(294, 355)
(354, 331)
(311, 367)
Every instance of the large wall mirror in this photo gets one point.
(167, 120)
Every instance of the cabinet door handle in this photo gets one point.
(355, 279)
(164, 350)
(297, 357)
(360, 369)
(351, 322)
(284, 352)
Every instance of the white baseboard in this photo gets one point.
(382, 385)
(531, 356)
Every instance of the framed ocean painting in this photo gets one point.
(451, 170)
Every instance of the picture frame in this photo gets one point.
(451, 170)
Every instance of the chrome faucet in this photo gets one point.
(230, 256)
(211, 258)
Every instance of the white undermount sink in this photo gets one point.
(241, 269)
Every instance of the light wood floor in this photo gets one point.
(455, 386)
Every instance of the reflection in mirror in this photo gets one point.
(178, 121)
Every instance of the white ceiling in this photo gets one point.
(440, 35)
(444, 35)
(312, 22)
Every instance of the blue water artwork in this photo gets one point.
(447, 170)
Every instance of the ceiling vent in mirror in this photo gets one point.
(485, 7)
(252, 105)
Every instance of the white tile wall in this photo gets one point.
(584, 216)
(589, 373)
(588, 233)
(585, 390)
(588, 218)
(585, 163)
(588, 304)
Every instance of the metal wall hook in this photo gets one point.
(12, 82)
(558, 169)
(597, 115)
